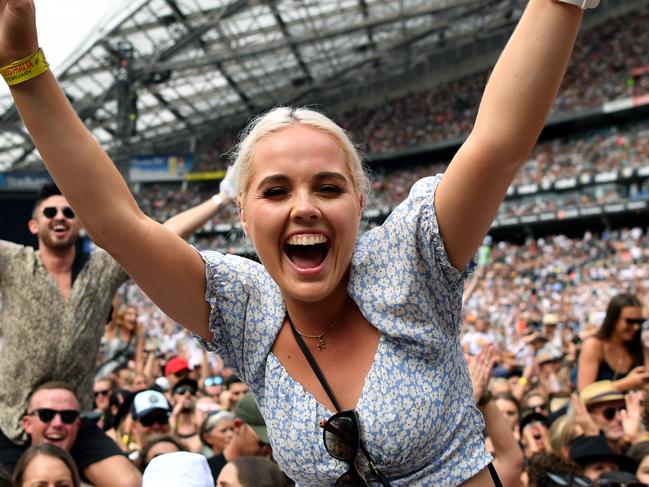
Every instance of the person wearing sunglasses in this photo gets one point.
(53, 416)
(616, 352)
(57, 299)
(185, 422)
(380, 312)
(150, 413)
(213, 386)
(606, 407)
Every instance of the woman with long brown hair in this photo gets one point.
(615, 352)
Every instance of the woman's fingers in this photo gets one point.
(18, 36)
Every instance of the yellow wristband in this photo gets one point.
(25, 69)
(522, 381)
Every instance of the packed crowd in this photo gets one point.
(601, 70)
(447, 112)
(590, 153)
(528, 310)
(537, 353)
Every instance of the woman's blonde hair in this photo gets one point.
(562, 432)
(282, 117)
(123, 309)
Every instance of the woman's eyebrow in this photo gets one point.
(282, 178)
(330, 175)
(273, 178)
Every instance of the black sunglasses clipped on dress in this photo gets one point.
(342, 440)
(68, 416)
(342, 435)
(51, 211)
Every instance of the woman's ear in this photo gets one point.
(242, 216)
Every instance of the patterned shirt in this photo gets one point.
(46, 338)
(418, 419)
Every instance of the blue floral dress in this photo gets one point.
(417, 415)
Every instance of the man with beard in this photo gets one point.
(56, 301)
(183, 418)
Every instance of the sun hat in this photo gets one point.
(600, 391)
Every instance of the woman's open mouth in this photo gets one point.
(307, 251)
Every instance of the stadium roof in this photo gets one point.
(195, 64)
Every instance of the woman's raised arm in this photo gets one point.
(514, 107)
(166, 268)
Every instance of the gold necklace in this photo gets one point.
(322, 344)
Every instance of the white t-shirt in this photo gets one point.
(475, 340)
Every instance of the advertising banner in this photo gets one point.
(159, 167)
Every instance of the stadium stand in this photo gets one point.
(570, 236)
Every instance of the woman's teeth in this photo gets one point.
(313, 239)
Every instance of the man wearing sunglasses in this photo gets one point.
(150, 412)
(53, 416)
(184, 420)
(604, 404)
(56, 299)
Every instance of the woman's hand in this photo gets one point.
(227, 189)
(480, 368)
(18, 36)
(582, 417)
(636, 379)
(632, 415)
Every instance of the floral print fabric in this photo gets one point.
(417, 416)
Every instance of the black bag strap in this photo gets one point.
(313, 364)
(325, 385)
(494, 475)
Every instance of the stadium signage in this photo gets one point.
(25, 181)
(606, 177)
(160, 167)
(528, 189)
(614, 208)
(637, 205)
(205, 176)
(529, 219)
(572, 213)
(565, 183)
(590, 211)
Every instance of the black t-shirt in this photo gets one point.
(216, 464)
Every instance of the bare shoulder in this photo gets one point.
(593, 346)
